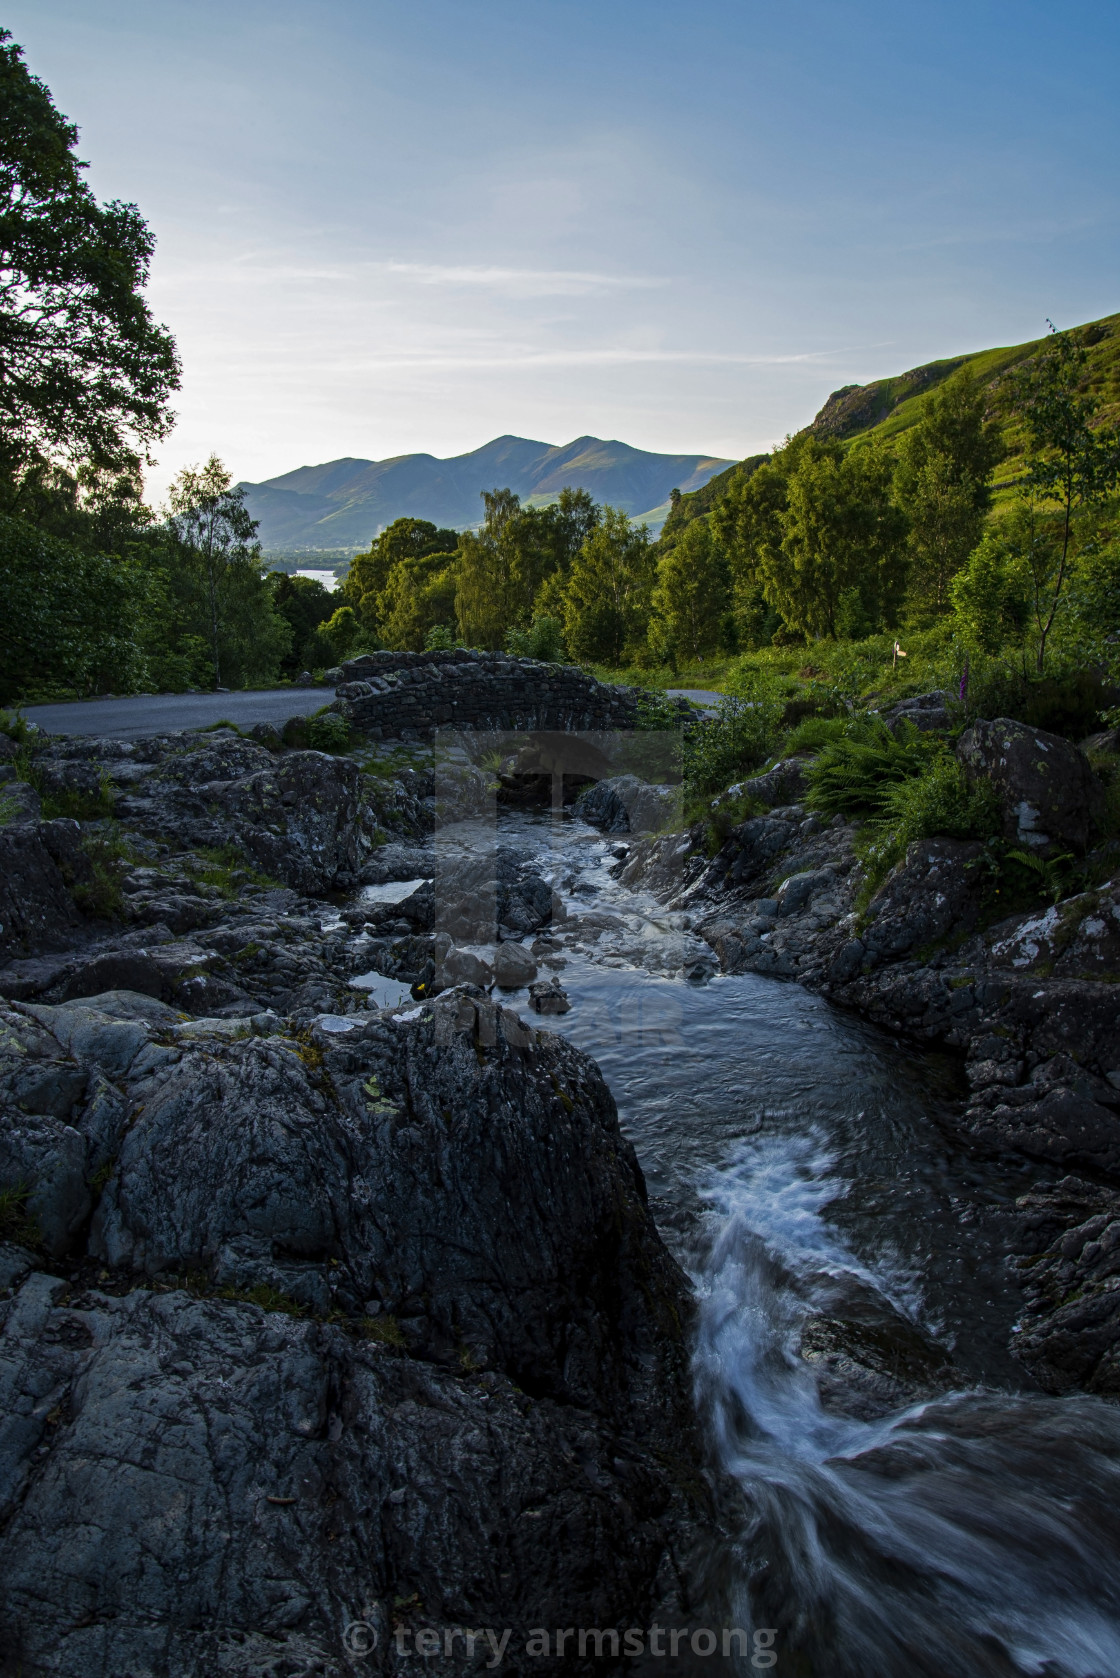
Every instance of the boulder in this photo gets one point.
(929, 712)
(627, 804)
(200, 1488)
(460, 967)
(38, 864)
(1078, 938)
(1045, 786)
(934, 893)
(445, 1165)
(513, 967)
(547, 997)
(784, 784)
(300, 818)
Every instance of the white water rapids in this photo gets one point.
(799, 1164)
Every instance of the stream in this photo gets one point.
(910, 1505)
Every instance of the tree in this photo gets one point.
(943, 483)
(216, 541)
(691, 595)
(418, 597)
(992, 594)
(1071, 465)
(607, 597)
(489, 585)
(304, 604)
(73, 621)
(514, 570)
(85, 373)
(366, 579)
(815, 528)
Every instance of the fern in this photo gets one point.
(854, 771)
(1056, 875)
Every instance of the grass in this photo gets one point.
(110, 855)
(226, 868)
(16, 1223)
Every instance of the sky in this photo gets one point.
(387, 226)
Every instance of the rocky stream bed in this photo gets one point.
(336, 1295)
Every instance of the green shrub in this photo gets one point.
(656, 713)
(544, 640)
(938, 802)
(329, 733)
(80, 805)
(1069, 703)
(739, 738)
(813, 734)
(16, 726)
(110, 855)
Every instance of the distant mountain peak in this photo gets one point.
(343, 503)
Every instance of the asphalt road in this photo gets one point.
(160, 713)
(699, 696)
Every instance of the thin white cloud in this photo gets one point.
(274, 268)
(530, 282)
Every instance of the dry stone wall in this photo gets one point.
(410, 694)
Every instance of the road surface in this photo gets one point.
(699, 696)
(160, 713)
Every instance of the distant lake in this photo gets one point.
(327, 578)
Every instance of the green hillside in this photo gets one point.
(888, 407)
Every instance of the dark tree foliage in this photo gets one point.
(406, 538)
(1072, 464)
(304, 604)
(72, 621)
(85, 372)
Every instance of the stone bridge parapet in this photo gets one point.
(403, 694)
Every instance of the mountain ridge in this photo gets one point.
(343, 503)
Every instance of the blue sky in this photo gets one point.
(386, 227)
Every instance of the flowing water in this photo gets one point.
(909, 1504)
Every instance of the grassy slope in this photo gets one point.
(888, 407)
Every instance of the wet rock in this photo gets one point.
(1059, 1125)
(627, 804)
(463, 792)
(547, 997)
(513, 967)
(459, 967)
(1045, 786)
(1069, 1335)
(397, 862)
